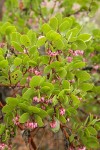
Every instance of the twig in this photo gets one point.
(42, 138)
(64, 131)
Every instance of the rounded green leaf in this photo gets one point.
(41, 41)
(39, 121)
(24, 117)
(84, 37)
(36, 81)
(17, 46)
(46, 28)
(64, 26)
(17, 61)
(54, 23)
(25, 40)
(80, 44)
(58, 44)
(33, 109)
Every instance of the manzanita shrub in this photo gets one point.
(48, 82)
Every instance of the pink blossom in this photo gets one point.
(80, 98)
(72, 81)
(16, 120)
(92, 54)
(18, 84)
(29, 78)
(42, 99)
(62, 111)
(43, 107)
(69, 59)
(44, 4)
(50, 101)
(4, 146)
(59, 51)
(38, 73)
(31, 125)
(71, 51)
(50, 53)
(53, 124)
(78, 52)
(35, 99)
(31, 70)
(46, 102)
(96, 67)
(82, 148)
(2, 45)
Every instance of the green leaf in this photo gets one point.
(85, 37)
(17, 61)
(42, 113)
(83, 75)
(54, 100)
(17, 46)
(59, 17)
(62, 72)
(75, 100)
(71, 35)
(56, 64)
(92, 142)
(4, 63)
(44, 59)
(2, 128)
(46, 28)
(65, 84)
(45, 89)
(39, 121)
(15, 36)
(41, 41)
(4, 27)
(86, 86)
(16, 76)
(7, 109)
(10, 29)
(92, 130)
(71, 138)
(63, 92)
(28, 94)
(93, 8)
(25, 40)
(54, 23)
(32, 36)
(36, 81)
(12, 101)
(57, 128)
(33, 109)
(62, 119)
(71, 111)
(80, 44)
(78, 65)
(24, 117)
(50, 111)
(23, 106)
(64, 26)
(97, 126)
(53, 36)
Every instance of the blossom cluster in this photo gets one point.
(42, 100)
(52, 54)
(74, 53)
(31, 125)
(4, 146)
